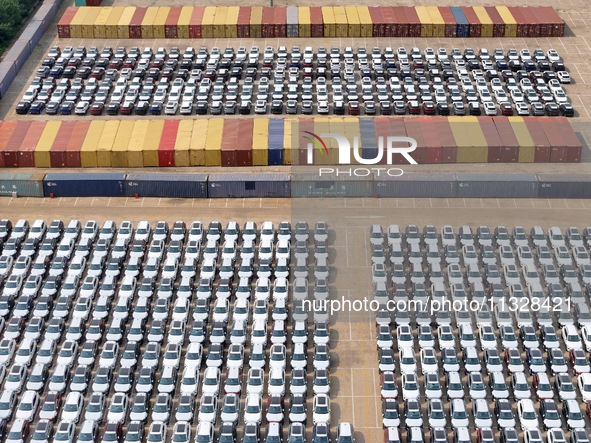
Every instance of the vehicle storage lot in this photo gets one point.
(354, 374)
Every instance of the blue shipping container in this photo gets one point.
(275, 147)
(166, 185)
(249, 185)
(87, 184)
(369, 142)
(463, 27)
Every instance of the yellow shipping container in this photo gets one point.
(232, 22)
(219, 22)
(135, 151)
(304, 27)
(77, 22)
(287, 139)
(425, 19)
(256, 20)
(510, 22)
(151, 143)
(354, 27)
(485, 20)
(43, 148)
(183, 23)
(86, 29)
(213, 143)
(328, 19)
(366, 25)
(148, 22)
(341, 23)
(119, 153)
(198, 139)
(207, 22)
(100, 24)
(527, 149)
(113, 22)
(160, 21)
(470, 141)
(88, 149)
(123, 24)
(437, 20)
(260, 140)
(183, 143)
(105, 143)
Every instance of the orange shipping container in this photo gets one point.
(151, 143)
(63, 26)
(135, 26)
(244, 146)
(229, 146)
(13, 144)
(475, 25)
(124, 21)
(170, 26)
(27, 151)
(498, 24)
(6, 131)
(243, 27)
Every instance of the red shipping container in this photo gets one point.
(195, 22)
(268, 22)
(316, 21)
(397, 129)
(167, 142)
(26, 157)
(449, 149)
(493, 140)
(475, 25)
(63, 26)
(280, 21)
(570, 139)
(510, 144)
(552, 17)
(375, 13)
(413, 130)
(230, 143)
(414, 23)
(305, 125)
(11, 150)
(432, 143)
(389, 21)
(58, 153)
(170, 26)
(244, 151)
(531, 21)
(75, 143)
(135, 24)
(400, 27)
(536, 132)
(244, 22)
(553, 131)
(6, 131)
(451, 25)
(522, 26)
(498, 23)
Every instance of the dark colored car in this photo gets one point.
(67, 108)
(142, 108)
(97, 108)
(23, 107)
(113, 108)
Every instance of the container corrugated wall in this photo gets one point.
(88, 151)
(449, 148)
(182, 144)
(451, 26)
(493, 140)
(88, 184)
(509, 21)
(27, 151)
(249, 186)
(564, 186)
(177, 185)
(135, 153)
(194, 22)
(124, 21)
(527, 147)
(43, 148)
(213, 143)
(536, 132)
(10, 150)
(167, 141)
(105, 143)
(25, 185)
(198, 142)
(463, 27)
(119, 152)
(415, 186)
(152, 142)
(229, 147)
(245, 141)
(497, 186)
(511, 148)
(260, 140)
(275, 147)
(306, 185)
(304, 23)
(433, 151)
(74, 146)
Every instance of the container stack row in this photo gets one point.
(262, 141)
(308, 21)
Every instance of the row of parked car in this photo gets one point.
(85, 81)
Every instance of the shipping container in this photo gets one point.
(267, 25)
(571, 141)
(353, 21)
(101, 21)
(564, 186)
(473, 20)
(341, 24)
(375, 13)
(275, 152)
(414, 185)
(195, 28)
(437, 21)
(280, 21)
(177, 185)
(74, 146)
(213, 143)
(371, 130)
(556, 21)
(430, 137)
(63, 26)
(26, 157)
(198, 141)
(112, 23)
(87, 184)
(328, 19)
(522, 26)
(320, 155)
(265, 185)
(463, 26)
(290, 125)
(124, 21)
(232, 21)
(497, 186)
(151, 143)
(497, 20)
(304, 23)
(170, 25)
(6, 131)
(120, 150)
(260, 141)
(308, 185)
(468, 148)
(182, 144)
(449, 149)
(88, 152)
(186, 17)
(524, 140)
(11, 149)
(486, 24)
(105, 143)
(493, 140)
(292, 22)
(88, 25)
(21, 185)
(135, 25)
(167, 142)
(148, 22)
(78, 20)
(229, 143)
(316, 20)
(159, 24)
(536, 132)
(449, 21)
(243, 28)
(366, 26)
(389, 21)
(508, 20)
(135, 153)
(256, 20)
(414, 24)
(207, 22)
(245, 142)
(510, 147)
(219, 22)
(336, 125)
(43, 148)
